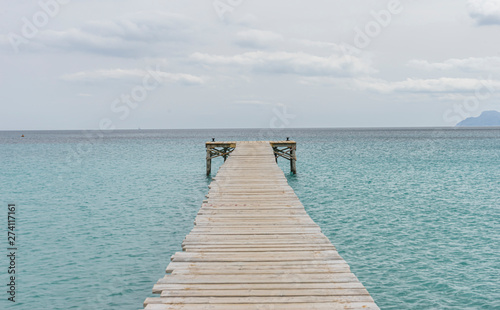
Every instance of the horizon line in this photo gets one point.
(260, 128)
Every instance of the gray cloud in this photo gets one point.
(297, 63)
(131, 75)
(471, 64)
(138, 34)
(258, 38)
(484, 12)
(441, 85)
(252, 102)
(444, 86)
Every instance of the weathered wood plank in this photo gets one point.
(294, 271)
(264, 293)
(282, 265)
(267, 306)
(254, 257)
(257, 300)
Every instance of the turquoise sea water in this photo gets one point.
(415, 212)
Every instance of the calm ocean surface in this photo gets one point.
(415, 212)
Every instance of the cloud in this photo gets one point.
(130, 35)
(484, 12)
(320, 44)
(131, 75)
(258, 38)
(297, 63)
(465, 64)
(441, 85)
(452, 97)
(247, 20)
(251, 102)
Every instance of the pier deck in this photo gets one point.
(255, 247)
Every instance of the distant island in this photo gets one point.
(487, 118)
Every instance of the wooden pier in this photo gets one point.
(254, 246)
(285, 149)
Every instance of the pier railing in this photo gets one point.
(285, 149)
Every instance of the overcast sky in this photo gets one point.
(246, 63)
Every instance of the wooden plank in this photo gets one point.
(161, 287)
(264, 293)
(265, 247)
(260, 278)
(294, 271)
(282, 265)
(254, 257)
(257, 300)
(255, 249)
(267, 306)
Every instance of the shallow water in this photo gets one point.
(414, 212)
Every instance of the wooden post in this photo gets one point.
(225, 155)
(293, 165)
(218, 149)
(209, 161)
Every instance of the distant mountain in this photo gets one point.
(487, 118)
